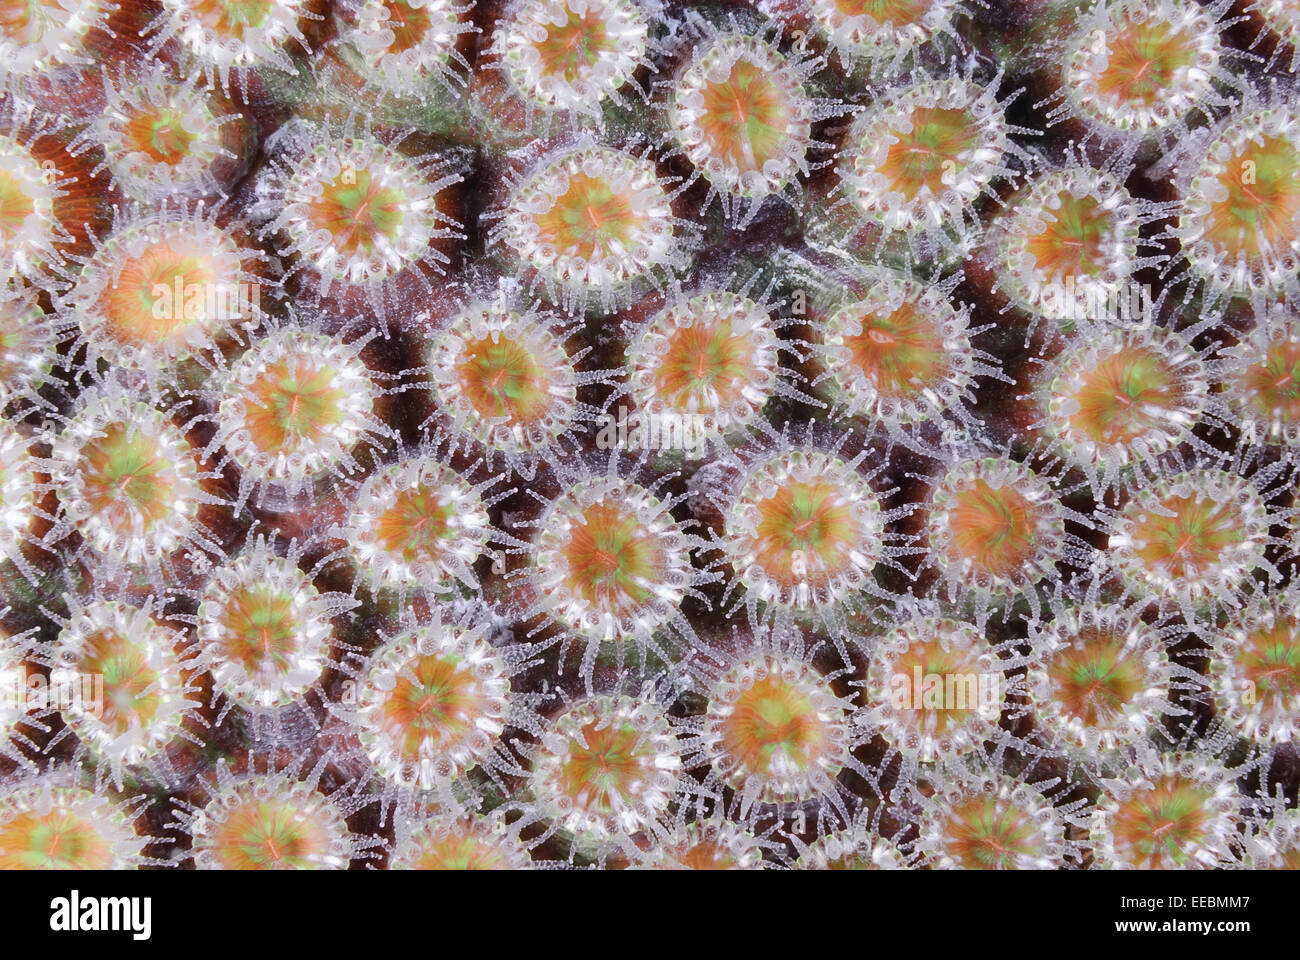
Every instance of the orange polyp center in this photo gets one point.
(432, 701)
(590, 220)
(295, 403)
(409, 24)
(900, 354)
(268, 835)
(1192, 540)
(413, 526)
(1142, 61)
(898, 12)
(574, 45)
(806, 516)
(1073, 242)
(58, 840)
(607, 770)
(460, 852)
(611, 563)
(15, 206)
(1159, 827)
(986, 834)
(1275, 383)
(261, 630)
(1097, 681)
(775, 729)
(992, 528)
(502, 379)
(359, 211)
(232, 17)
(1263, 199)
(131, 696)
(745, 117)
(703, 357)
(1123, 396)
(161, 135)
(130, 305)
(939, 138)
(930, 710)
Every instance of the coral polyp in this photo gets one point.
(995, 527)
(432, 704)
(296, 408)
(1177, 811)
(607, 768)
(407, 43)
(1263, 382)
(30, 190)
(1239, 221)
(1101, 678)
(775, 730)
(504, 378)
(351, 210)
(163, 287)
(1122, 396)
(713, 355)
(60, 826)
(609, 559)
(883, 33)
(134, 667)
(163, 138)
(1140, 68)
(1255, 669)
(27, 345)
(992, 824)
(594, 225)
(442, 842)
(127, 479)
(40, 36)
(712, 844)
(934, 689)
(898, 351)
(570, 55)
(804, 530)
(418, 525)
(265, 629)
(1192, 539)
(741, 115)
(268, 823)
(917, 158)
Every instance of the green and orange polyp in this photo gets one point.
(1255, 669)
(995, 526)
(64, 828)
(1010, 829)
(1191, 538)
(609, 558)
(265, 824)
(775, 730)
(740, 113)
(804, 530)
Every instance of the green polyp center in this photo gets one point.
(573, 47)
(745, 117)
(989, 835)
(1123, 396)
(804, 525)
(295, 402)
(1095, 683)
(1161, 826)
(590, 220)
(412, 527)
(993, 527)
(269, 835)
(607, 768)
(1271, 661)
(1192, 540)
(161, 136)
(774, 728)
(1263, 199)
(611, 563)
(126, 477)
(131, 697)
(1073, 242)
(58, 840)
(261, 629)
(503, 379)
(1142, 60)
(1274, 385)
(233, 17)
(360, 212)
(900, 353)
(703, 360)
(940, 138)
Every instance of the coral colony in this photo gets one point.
(684, 434)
